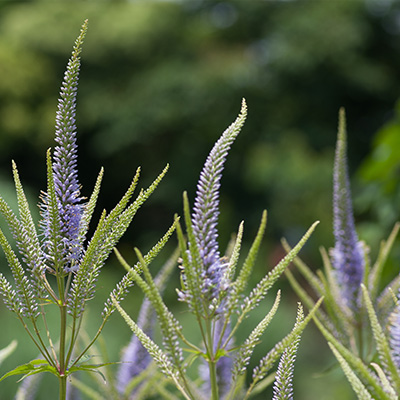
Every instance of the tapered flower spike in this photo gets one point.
(206, 211)
(283, 385)
(65, 164)
(348, 254)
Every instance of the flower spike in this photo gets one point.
(206, 211)
(65, 163)
(348, 253)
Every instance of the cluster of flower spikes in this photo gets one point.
(348, 253)
(65, 170)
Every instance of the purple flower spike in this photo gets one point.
(348, 253)
(205, 212)
(65, 164)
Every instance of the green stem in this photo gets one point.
(211, 361)
(74, 336)
(43, 349)
(63, 317)
(63, 331)
(63, 387)
(91, 343)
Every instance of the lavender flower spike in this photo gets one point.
(65, 163)
(348, 254)
(205, 211)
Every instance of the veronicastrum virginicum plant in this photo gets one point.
(215, 296)
(56, 265)
(357, 320)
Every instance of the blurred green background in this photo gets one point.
(159, 83)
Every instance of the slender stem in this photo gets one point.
(76, 327)
(63, 387)
(91, 343)
(48, 335)
(49, 289)
(63, 331)
(63, 317)
(211, 361)
(42, 343)
(42, 349)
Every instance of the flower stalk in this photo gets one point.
(59, 267)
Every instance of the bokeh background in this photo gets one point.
(159, 83)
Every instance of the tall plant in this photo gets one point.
(215, 296)
(55, 265)
(360, 318)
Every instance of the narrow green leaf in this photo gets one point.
(90, 368)
(33, 367)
